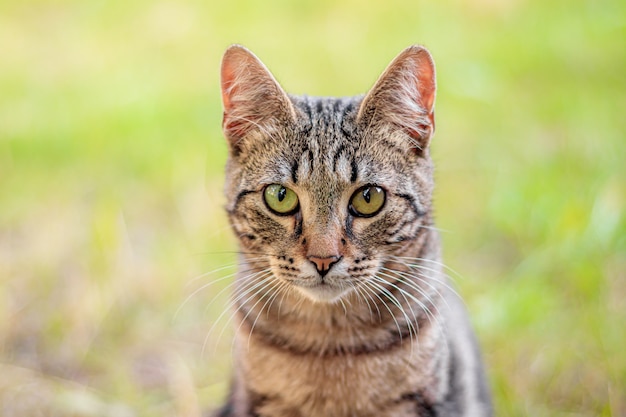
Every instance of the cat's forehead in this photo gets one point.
(324, 147)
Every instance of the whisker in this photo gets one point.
(407, 259)
(410, 326)
(253, 281)
(264, 293)
(429, 314)
(205, 286)
(245, 290)
(427, 282)
(372, 286)
(360, 296)
(402, 292)
(404, 261)
(407, 279)
(432, 278)
(229, 286)
(424, 308)
(277, 291)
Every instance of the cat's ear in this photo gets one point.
(404, 97)
(251, 96)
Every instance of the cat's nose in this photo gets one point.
(323, 264)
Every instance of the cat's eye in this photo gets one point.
(280, 199)
(367, 201)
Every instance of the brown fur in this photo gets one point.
(380, 333)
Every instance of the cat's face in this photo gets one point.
(324, 193)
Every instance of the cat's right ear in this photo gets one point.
(251, 96)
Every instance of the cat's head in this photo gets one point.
(325, 193)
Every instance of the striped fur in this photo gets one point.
(380, 333)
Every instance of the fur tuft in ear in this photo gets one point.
(252, 98)
(404, 97)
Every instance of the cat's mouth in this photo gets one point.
(321, 289)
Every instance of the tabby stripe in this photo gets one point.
(423, 408)
(412, 203)
(411, 236)
(307, 110)
(341, 149)
(453, 401)
(391, 146)
(311, 160)
(400, 227)
(268, 337)
(347, 125)
(297, 230)
(395, 339)
(306, 129)
(354, 174)
(337, 106)
(294, 171)
(241, 195)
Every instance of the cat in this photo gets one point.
(342, 307)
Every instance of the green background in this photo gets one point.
(111, 161)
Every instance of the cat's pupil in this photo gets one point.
(366, 195)
(282, 193)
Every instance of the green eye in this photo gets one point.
(367, 201)
(280, 199)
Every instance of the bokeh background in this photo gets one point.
(115, 254)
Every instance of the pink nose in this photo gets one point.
(323, 264)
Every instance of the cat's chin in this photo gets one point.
(323, 292)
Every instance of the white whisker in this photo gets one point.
(253, 281)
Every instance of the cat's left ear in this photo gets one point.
(404, 97)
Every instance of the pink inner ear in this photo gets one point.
(426, 87)
(228, 76)
(234, 60)
(251, 97)
(425, 74)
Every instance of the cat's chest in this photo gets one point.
(307, 385)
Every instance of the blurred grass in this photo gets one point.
(111, 162)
